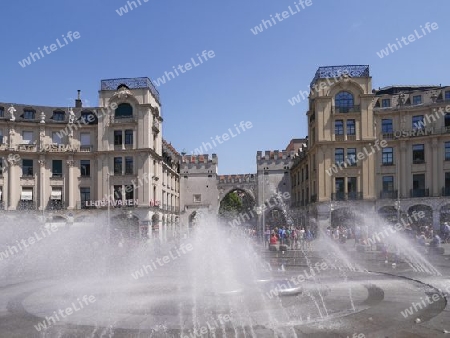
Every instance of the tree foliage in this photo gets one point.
(231, 205)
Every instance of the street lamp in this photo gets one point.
(263, 211)
(331, 209)
(397, 203)
(108, 230)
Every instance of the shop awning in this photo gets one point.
(56, 194)
(27, 195)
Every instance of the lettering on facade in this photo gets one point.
(413, 133)
(113, 203)
(59, 148)
(154, 203)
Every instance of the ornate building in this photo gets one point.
(382, 151)
(64, 162)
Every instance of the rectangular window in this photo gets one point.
(339, 184)
(339, 156)
(85, 139)
(117, 165)
(129, 192)
(351, 157)
(418, 152)
(447, 151)
(351, 127)
(388, 183)
(339, 127)
(197, 198)
(351, 185)
(1, 136)
(85, 196)
(387, 156)
(386, 126)
(117, 137)
(128, 136)
(27, 167)
(447, 122)
(419, 181)
(56, 139)
(385, 103)
(447, 181)
(28, 114)
(417, 99)
(57, 168)
(85, 168)
(27, 137)
(58, 116)
(128, 165)
(2, 112)
(417, 122)
(118, 193)
(447, 95)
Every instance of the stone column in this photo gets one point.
(434, 161)
(70, 164)
(404, 193)
(13, 190)
(42, 184)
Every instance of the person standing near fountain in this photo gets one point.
(446, 233)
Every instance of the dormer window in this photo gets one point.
(2, 112)
(417, 99)
(58, 115)
(29, 114)
(124, 110)
(88, 117)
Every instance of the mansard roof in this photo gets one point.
(48, 111)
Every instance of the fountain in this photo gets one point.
(215, 283)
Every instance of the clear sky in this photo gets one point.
(251, 76)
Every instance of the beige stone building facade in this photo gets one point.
(383, 151)
(66, 162)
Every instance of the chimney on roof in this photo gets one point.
(78, 103)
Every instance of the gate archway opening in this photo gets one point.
(238, 207)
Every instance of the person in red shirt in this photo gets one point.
(273, 239)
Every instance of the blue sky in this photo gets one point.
(251, 76)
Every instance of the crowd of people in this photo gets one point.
(292, 237)
(421, 235)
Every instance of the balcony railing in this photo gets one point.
(445, 191)
(419, 193)
(350, 196)
(344, 110)
(87, 148)
(389, 194)
(26, 205)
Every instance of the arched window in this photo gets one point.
(124, 110)
(344, 102)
